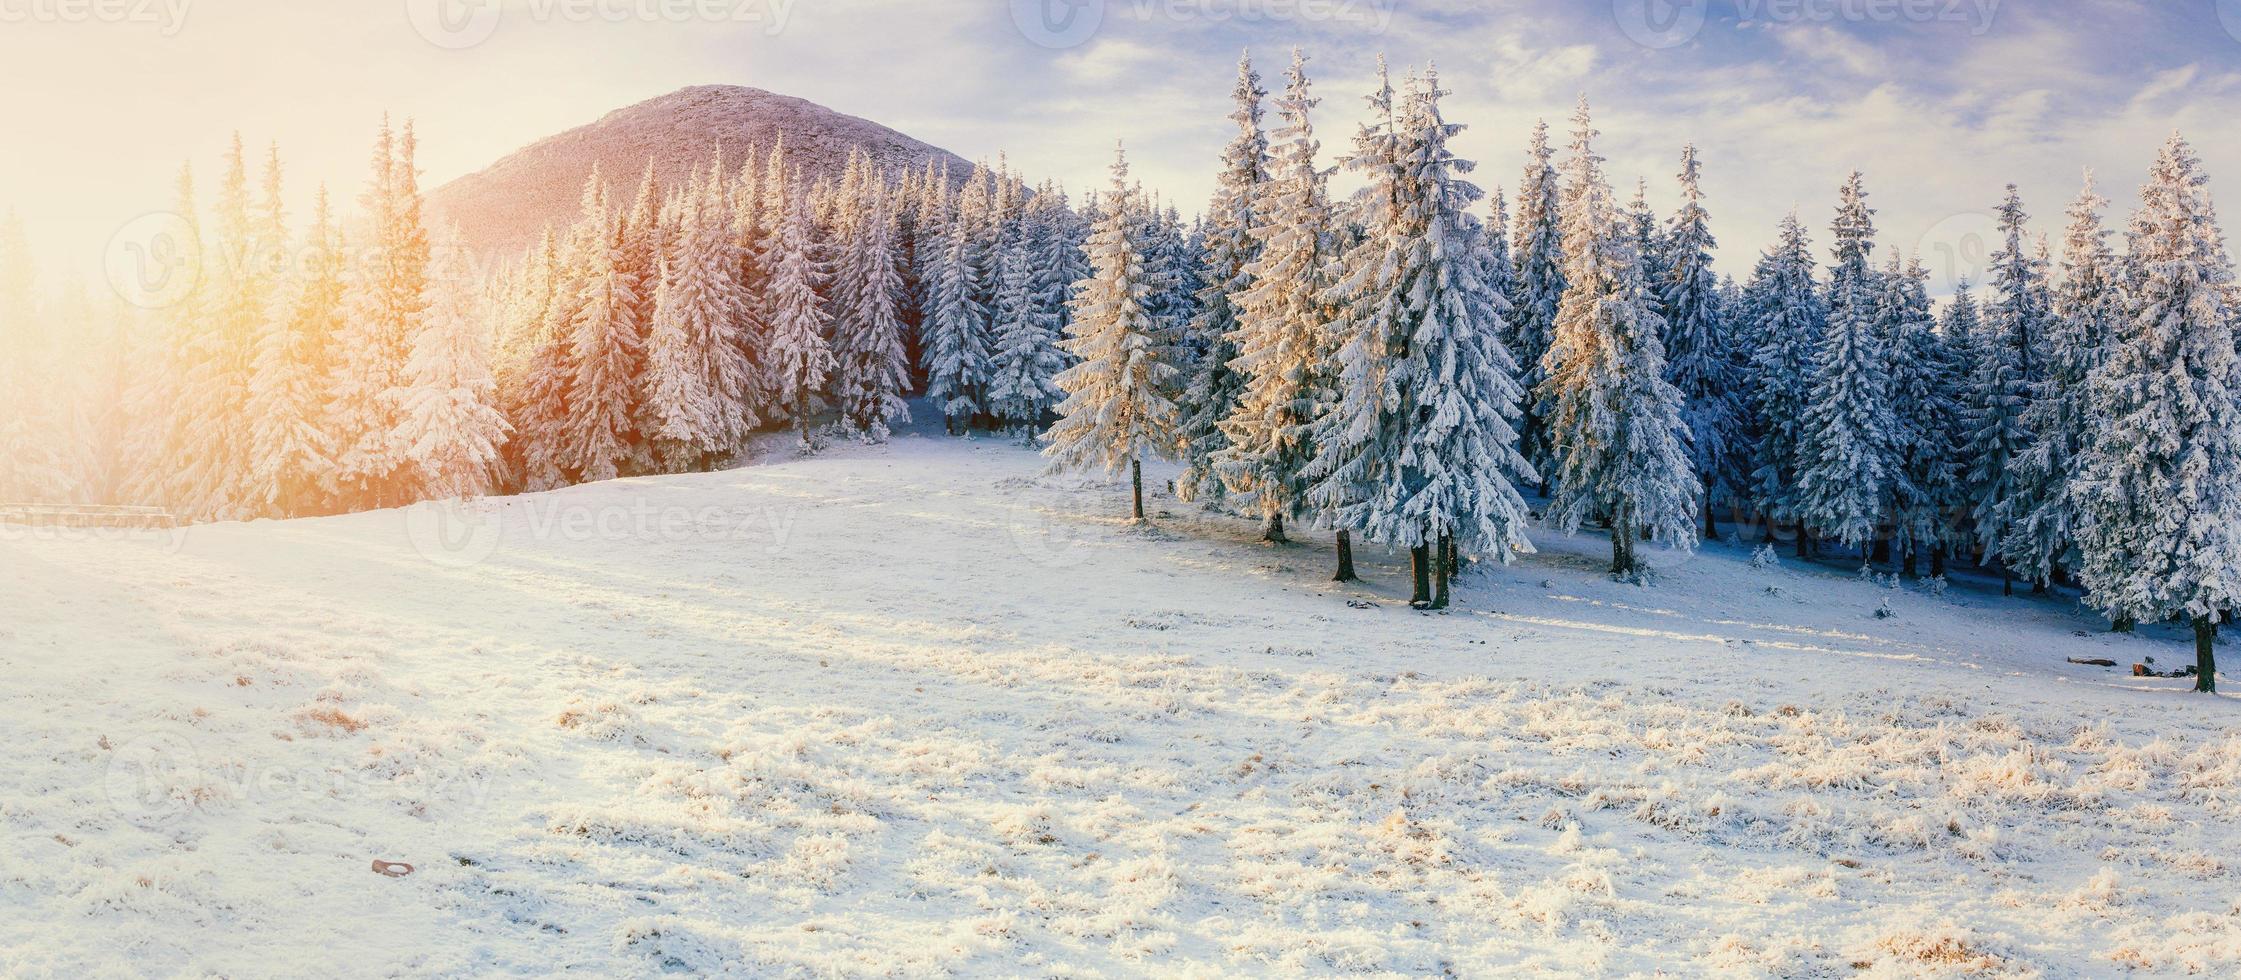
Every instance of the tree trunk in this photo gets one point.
(1622, 541)
(2205, 655)
(1136, 477)
(2122, 624)
(1275, 532)
(1345, 557)
(1804, 541)
(1442, 567)
(1711, 525)
(1420, 576)
(1937, 561)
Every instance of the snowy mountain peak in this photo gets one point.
(503, 207)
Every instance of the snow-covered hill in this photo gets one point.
(504, 207)
(916, 708)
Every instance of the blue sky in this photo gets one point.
(1941, 102)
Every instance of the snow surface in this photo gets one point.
(918, 709)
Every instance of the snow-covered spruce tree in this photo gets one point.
(1459, 462)
(1284, 346)
(610, 355)
(450, 427)
(1212, 392)
(871, 369)
(1539, 253)
(1117, 408)
(540, 417)
(1060, 260)
(1023, 370)
(1613, 418)
(2007, 361)
(1845, 455)
(2041, 514)
(217, 463)
(1355, 473)
(957, 334)
(1788, 321)
(386, 303)
(2161, 491)
(1846, 460)
(733, 238)
(1925, 406)
(1649, 242)
(1697, 359)
(696, 309)
(798, 352)
(290, 452)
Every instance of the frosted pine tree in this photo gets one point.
(1846, 456)
(1697, 359)
(541, 424)
(1117, 408)
(2161, 494)
(1212, 392)
(1789, 320)
(1613, 418)
(450, 427)
(1356, 471)
(1285, 349)
(2041, 514)
(957, 336)
(872, 370)
(2006, 362)
(1649, 242)
(1023, 371)
(216, 471)
(385, 304)
(798, 355)
(288, 392)
(1925, 384)
(1460, 463)
(609, 354)
(695, 310)
(1538, 247)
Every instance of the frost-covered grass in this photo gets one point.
(917, 709)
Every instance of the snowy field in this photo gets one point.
(916, 709)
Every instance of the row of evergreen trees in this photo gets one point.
(1395, 366)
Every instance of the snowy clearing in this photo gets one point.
(916, 709)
